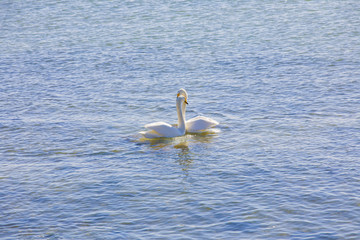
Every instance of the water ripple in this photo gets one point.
(80, 79)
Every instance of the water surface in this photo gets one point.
(80, 79)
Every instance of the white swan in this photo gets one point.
(162, 129)
(194, 125)
(199, 123)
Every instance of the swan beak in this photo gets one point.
(186, 102)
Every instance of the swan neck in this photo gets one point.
(184, 111)
(181, 117)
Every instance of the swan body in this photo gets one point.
(162, 129)
(199, 123)
(194, 125)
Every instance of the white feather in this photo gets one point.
(194, 125)
(200, 123)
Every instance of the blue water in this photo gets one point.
(79, 79)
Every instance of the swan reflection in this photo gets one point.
(185, 157)
(181, 142)
(182, 145)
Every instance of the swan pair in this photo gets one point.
(194, 125)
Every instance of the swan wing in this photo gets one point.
(200, 123)
(150, 134)
(161, 129)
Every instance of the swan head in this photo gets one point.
(180, 100)
(182, 92)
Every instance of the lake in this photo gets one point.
(80, 79)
